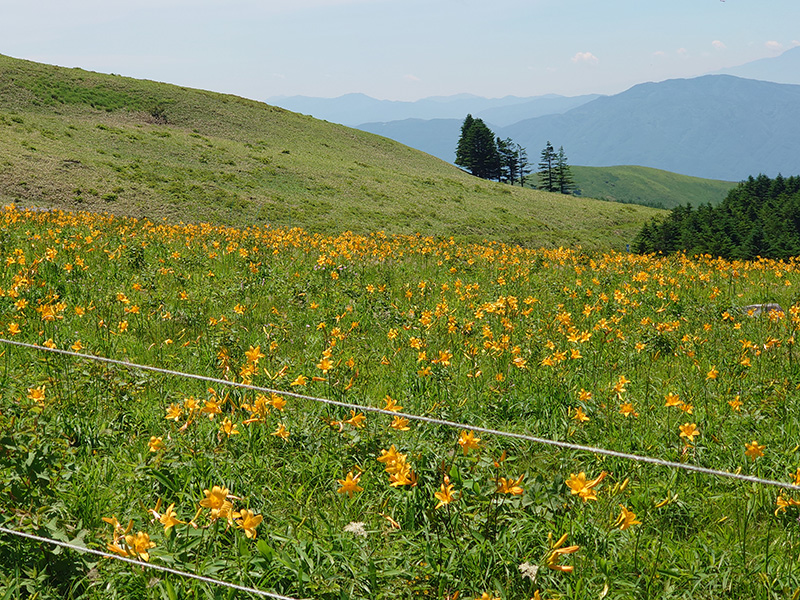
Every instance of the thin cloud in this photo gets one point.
(585, 57)
(410, 77)
(659, 53)
(718, 45)
(683, 53)
(774, 46)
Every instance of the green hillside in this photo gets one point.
(648, 187)
(73, 139)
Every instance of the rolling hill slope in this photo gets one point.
(648, 187)
(73, 139)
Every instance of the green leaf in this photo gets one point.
(264, 549)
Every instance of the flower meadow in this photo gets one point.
(649, 355)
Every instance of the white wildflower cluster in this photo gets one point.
(356, 528)
(528, 570)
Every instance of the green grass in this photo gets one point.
(73, 139)
(648, 187)
(492, 335)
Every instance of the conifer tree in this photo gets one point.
(759, 217)
(563, 174)
(507, 150)
(523, 166)
(477, 149)
(463, 151)
(547, 171)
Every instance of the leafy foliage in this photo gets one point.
(759, 217)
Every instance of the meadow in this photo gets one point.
(76, 140)
(648, 355)
(631, 184)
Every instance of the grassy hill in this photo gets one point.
(648, 187)
(73, 139)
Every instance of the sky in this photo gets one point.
(400, 49)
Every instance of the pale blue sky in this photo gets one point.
(400, 49)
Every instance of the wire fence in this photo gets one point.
(365, 408)
(147, 565)
(424, 419)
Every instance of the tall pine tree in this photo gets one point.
(523, 166)
(563, 174)
(508, 160)
(547, 169)
(477, 149)
(463, 151)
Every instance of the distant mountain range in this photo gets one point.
(716, 126)
(354, 109)
(784, 68)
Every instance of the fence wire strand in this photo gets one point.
(146, 565)
(353, 406)
(430, 420)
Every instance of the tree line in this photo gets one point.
(759, 217)
(489, 157)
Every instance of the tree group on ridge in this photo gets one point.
(490, 157)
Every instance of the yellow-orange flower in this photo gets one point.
(619, 388)
(754, 450)
(510, 486)
(689, 431)
(557, 552)
(468, 441)
(281, 432)
(350, 484)
(36, 394)
(248, 521)
(579, 415)
(169, 518)
(253, 355)
(277, 402)
(626, 518)
(391, 404)
(138, 545)
(445, 493)
(356, 420)
(400, 424)
(217, 502)
(583, 488)
(174, 412)
(228, 427)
